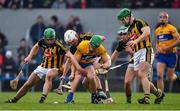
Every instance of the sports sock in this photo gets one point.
(70, 97)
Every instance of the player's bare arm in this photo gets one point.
(145, 33)
(75, 62)
(33, 52)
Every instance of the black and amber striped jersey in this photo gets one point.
(53, 54)
(135, 32)
(83, 36)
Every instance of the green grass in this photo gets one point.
(82, 102)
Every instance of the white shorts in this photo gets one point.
(131, 65)
(41, 71)
(145, 54)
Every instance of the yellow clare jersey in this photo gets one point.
(166, 36)
(87, 56)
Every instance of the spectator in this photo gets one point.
(112, 3)
(72, 3)
(74, 24)
(175, 4)
(59, 28)
(22, 50)
(97, 3)
(15, 4)
(3, 41)
(47, 3)
(77, 25)
(36, 31)
(151, 3)
(70, 22)
(2, 3)
(126, 3)
(138, 4)
(83, 4)
(9, 68)
(29, 4)
(59, 4)
(164, 4)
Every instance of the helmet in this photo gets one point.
(49, 33)
(123, 13)
(123, 29)
(95, 41)
(69, 35)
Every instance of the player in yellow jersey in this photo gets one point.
(167, 38)
(54, 53)
(73, 39)
(139, 33)
(85, 53)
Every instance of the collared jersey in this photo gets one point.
(83, 36)
(165, 36)
(53, 55)
(135, 32)
(87, 56)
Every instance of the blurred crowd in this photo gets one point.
(9, 64)
(83, 4)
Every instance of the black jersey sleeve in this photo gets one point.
(41, 42)
(61, 46)
(73, 49)
(121, 46)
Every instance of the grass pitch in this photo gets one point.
(82, 102)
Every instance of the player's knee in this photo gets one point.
(49, 77)
(160, 77)
(91, 77)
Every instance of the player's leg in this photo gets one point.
(100, 92)
(171, 77)
(92, 83)
(161, 66)
(157, 92)
(51, 74)
(143, 67)
(171, 64)
(160, 72)
(130, 73)
(142, 62)
(74, 85)
(91, 78)
(32, 80)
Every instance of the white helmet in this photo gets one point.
(69, 35)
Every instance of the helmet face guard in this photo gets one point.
(49, 34)
(123, 29)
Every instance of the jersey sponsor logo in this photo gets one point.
(88, 57)
(165, 37)
(48, 55)
(133, 36)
